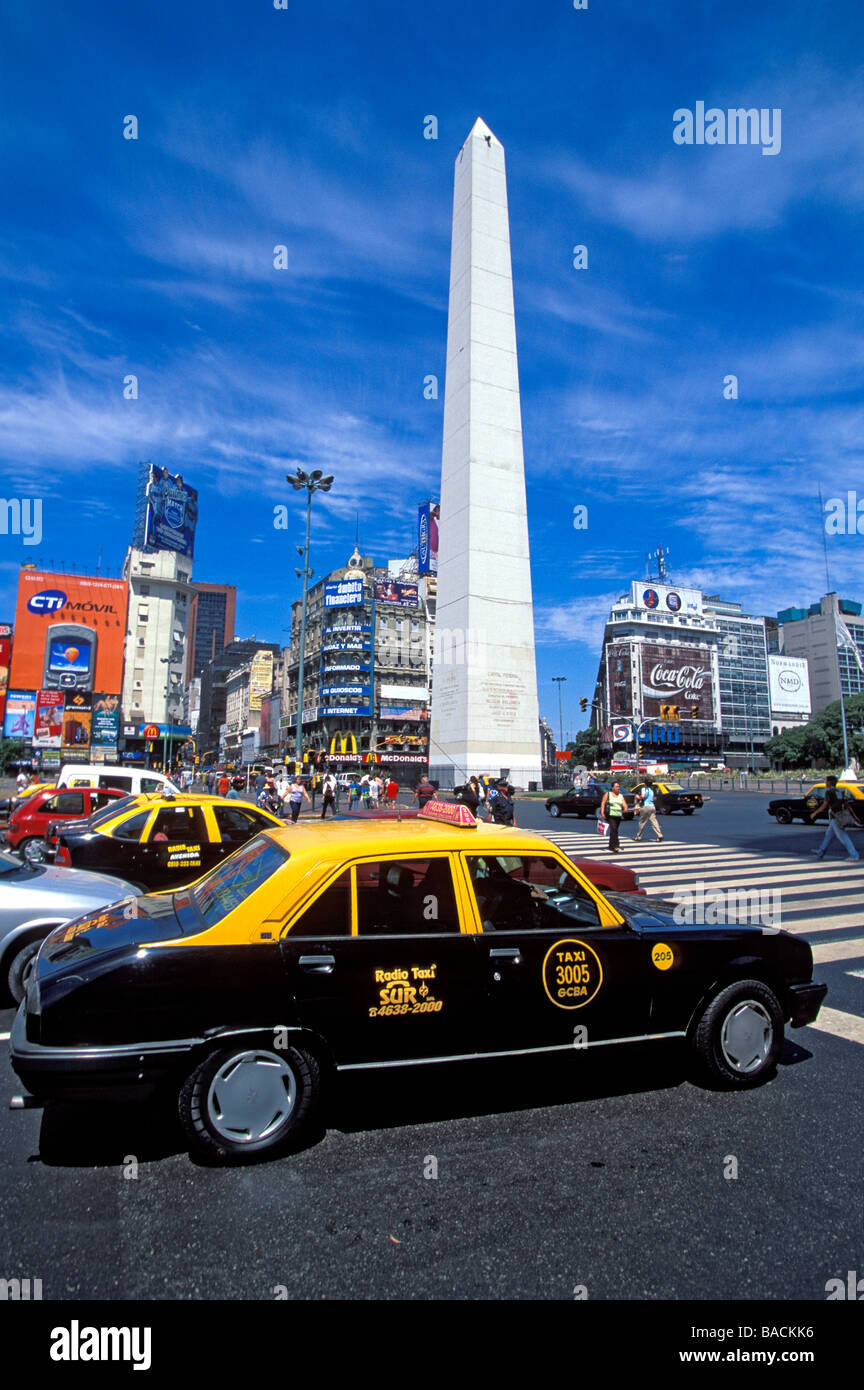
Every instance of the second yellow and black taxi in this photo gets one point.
(328, 947)
(158, 840)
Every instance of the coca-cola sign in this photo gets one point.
(677, 676)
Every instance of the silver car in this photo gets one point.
(35, 898)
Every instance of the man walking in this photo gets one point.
(424, 791)
(840, 818)
(329, 795)
(648, 811)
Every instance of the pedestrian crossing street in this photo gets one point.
(821, 900)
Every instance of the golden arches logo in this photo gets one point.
(343, 743)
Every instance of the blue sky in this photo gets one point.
(304, 127)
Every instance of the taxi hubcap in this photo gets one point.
(251, 1096)
(746, 1036)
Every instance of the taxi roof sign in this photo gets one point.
(450, 812)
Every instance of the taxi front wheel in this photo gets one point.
(739, 1036)
(247, 1101)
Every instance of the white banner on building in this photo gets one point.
(788, 684)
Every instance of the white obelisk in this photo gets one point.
(484, 687)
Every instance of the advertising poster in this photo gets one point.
(789, 684)
(172, 511)
(345, 593)
(394, 591)
(5, 653)
(48, 728)
(105, 723)
(675, 676)
(618, 679)
(76, 725)
(69, 632)
(407, 714)
(20, 715)
(260, 678)
(427, 537)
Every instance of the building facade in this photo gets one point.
(686, 673)
(829, 635)
(160, 593)
(367, 666)
(211, 624)
(212, 716)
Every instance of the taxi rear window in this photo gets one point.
(229, 885)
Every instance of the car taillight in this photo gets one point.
(63, 857)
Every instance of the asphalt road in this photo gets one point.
(609, 1173)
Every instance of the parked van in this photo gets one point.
(127, 779)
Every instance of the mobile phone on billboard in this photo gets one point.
(70, 657)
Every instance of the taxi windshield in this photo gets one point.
(111, 809)
(230, 885)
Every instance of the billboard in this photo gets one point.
(20, 715)
(428, 517)
(788, 684)
(48, 725)
(5, 652)
(408, 714)
(105, 724)
(77, 719)
(260, 678)
(344, 593)
(393, 591)
(665, 598)
(172, 511)
(618, 682)
(681, 676)
(70, 632)
(271, 709)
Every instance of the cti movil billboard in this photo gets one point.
(69, 632)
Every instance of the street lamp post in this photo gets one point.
(312, 482)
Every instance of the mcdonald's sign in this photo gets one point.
(343, 743)
(152, 731)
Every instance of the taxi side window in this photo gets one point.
(516, 893)
(330, 914)
(148, 784)
(179, 823)
(406, 896)
(66, 804)
(133, 828)
(236, 827)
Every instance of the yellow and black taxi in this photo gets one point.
(158, 840)
(343, 946)
(670, 797)
(786, 809)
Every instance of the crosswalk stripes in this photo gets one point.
(814, 899)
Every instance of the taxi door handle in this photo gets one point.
(506, 953)
(317, 965)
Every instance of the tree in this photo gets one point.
(11, 752)
(585, 747)
(820, 742)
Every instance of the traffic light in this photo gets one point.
(670, 712)
(583, 704)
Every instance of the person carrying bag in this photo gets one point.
(612, 809)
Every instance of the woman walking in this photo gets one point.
(296, 795)
(612, 809)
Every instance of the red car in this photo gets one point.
(29, 824)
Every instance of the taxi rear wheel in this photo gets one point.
(247, 1101)
(739, 1036)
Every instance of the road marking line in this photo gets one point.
(4, 1037)
(859, 974)
(838, 950)
(840, 1025)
